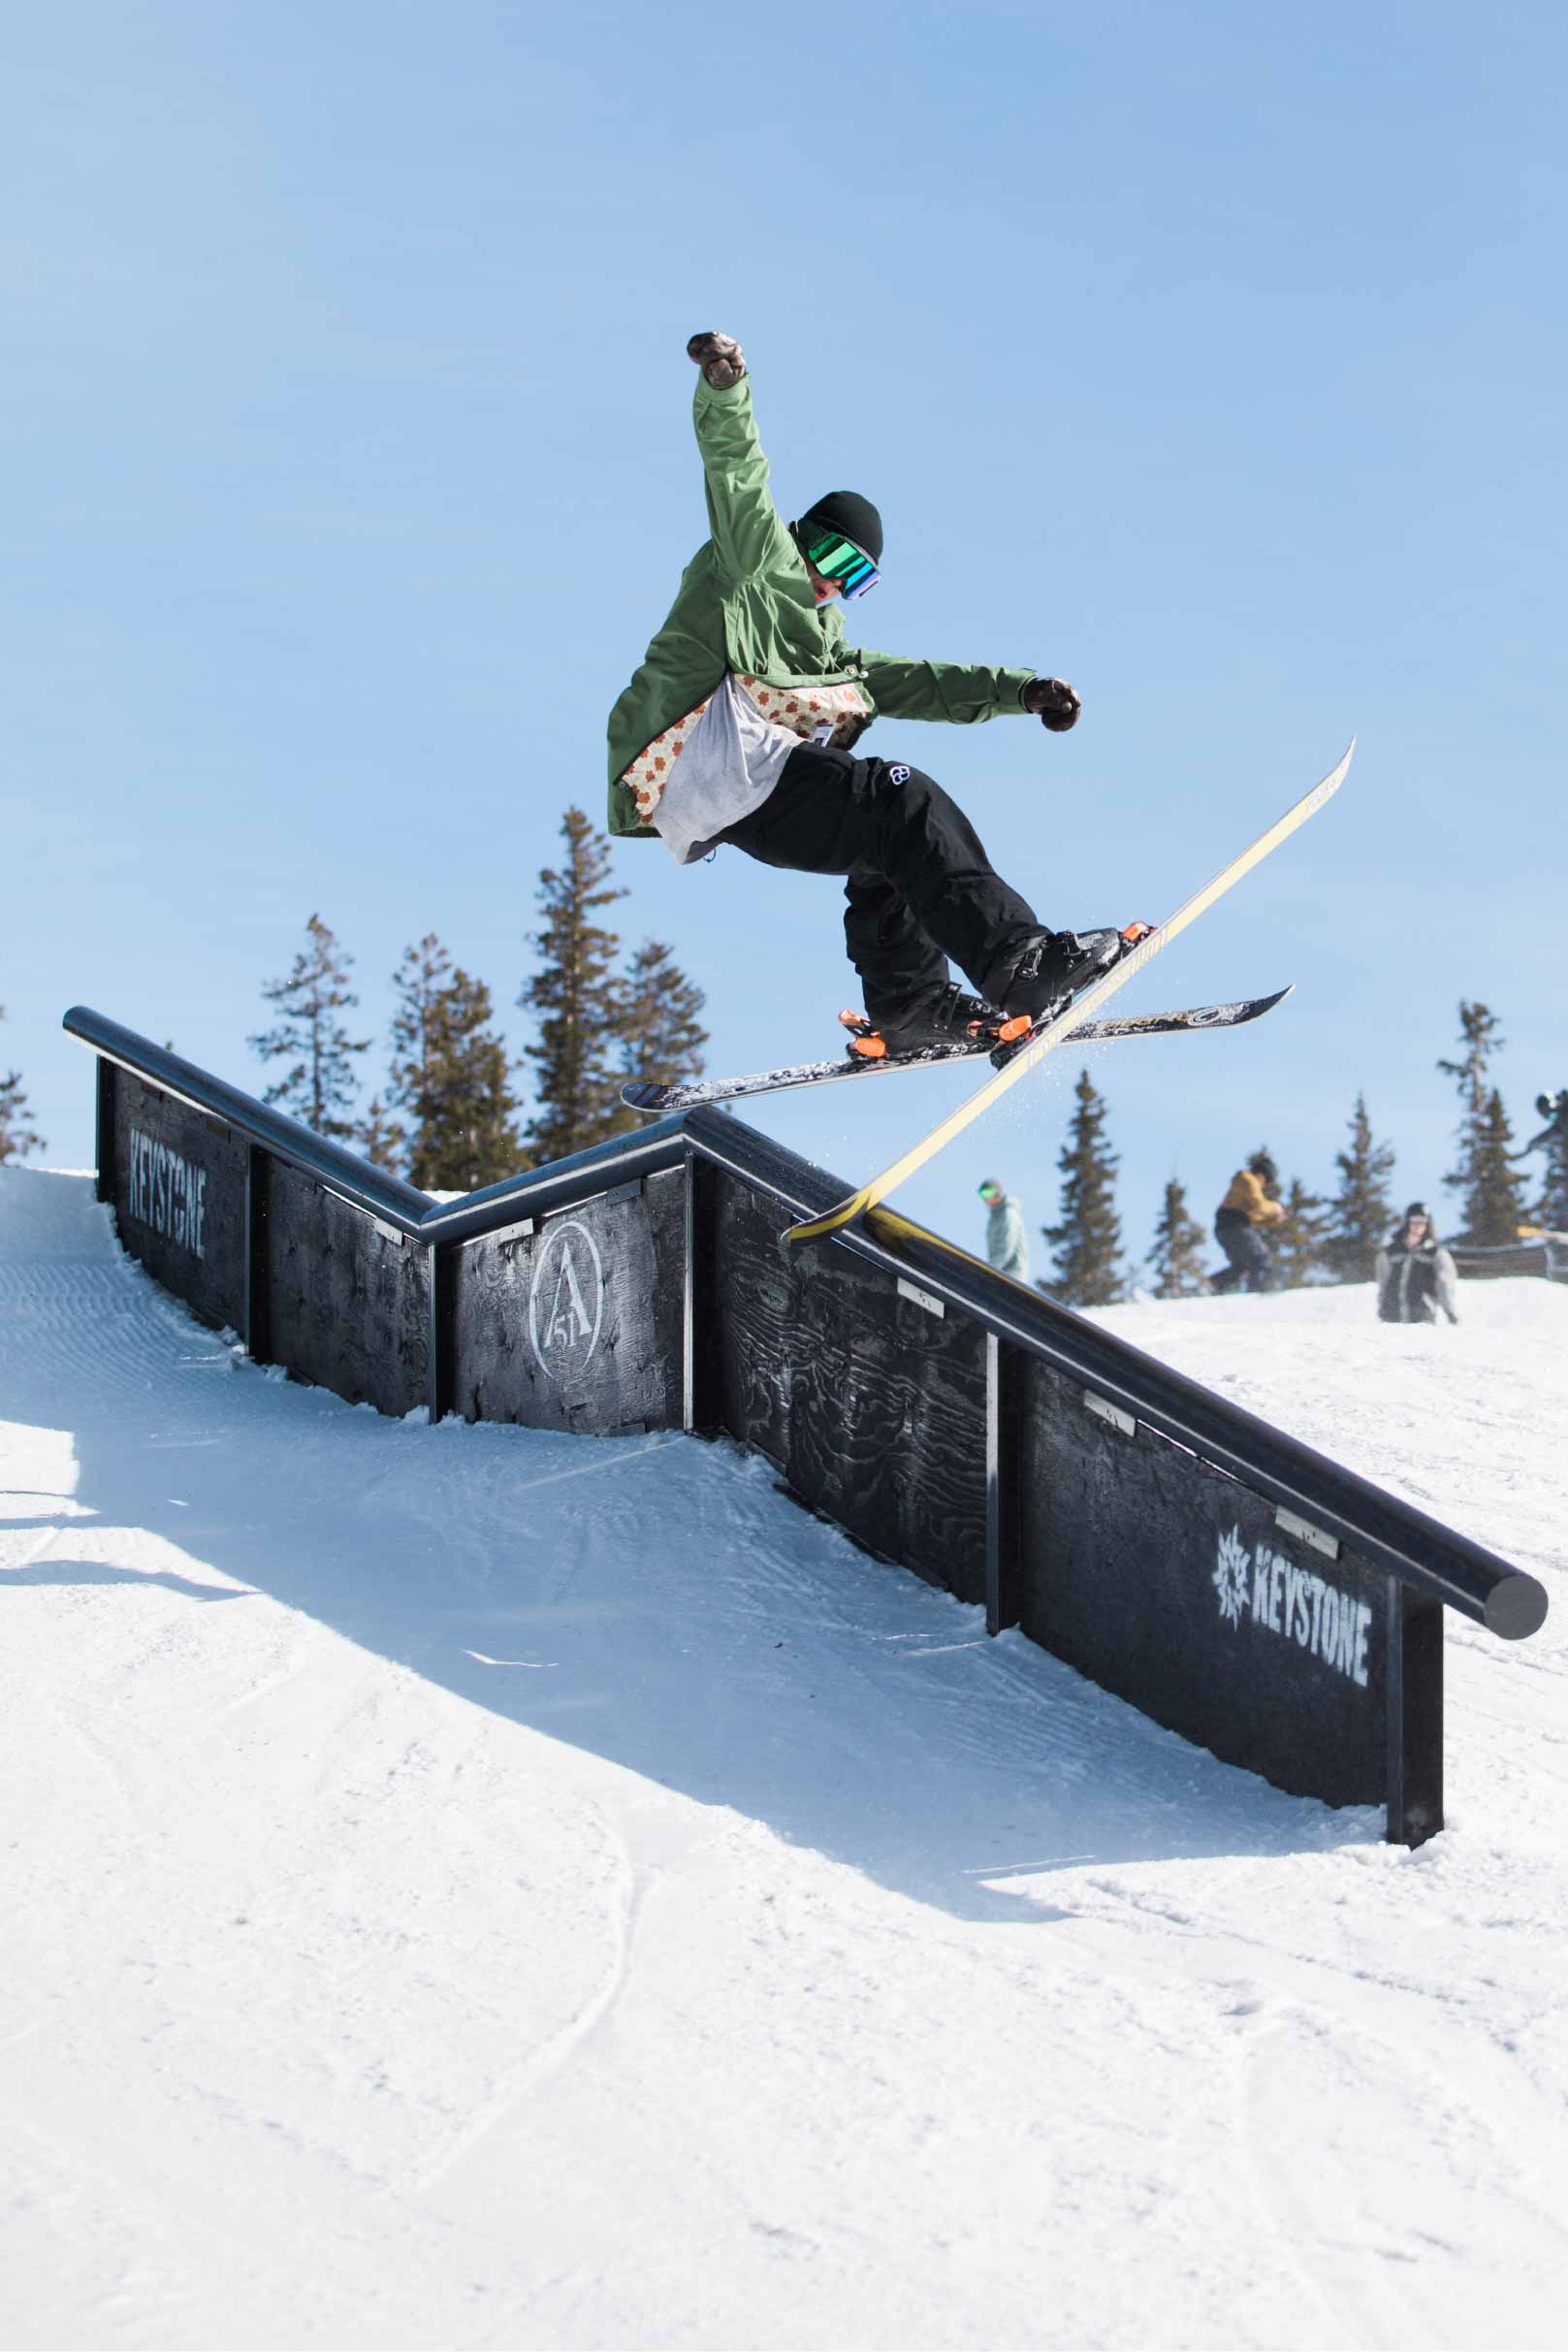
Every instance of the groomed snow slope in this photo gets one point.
(472, 1887)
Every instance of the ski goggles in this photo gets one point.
(840, 561)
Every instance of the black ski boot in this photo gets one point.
(1046, 970)
(944, 1016)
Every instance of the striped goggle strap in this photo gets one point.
(840, 560)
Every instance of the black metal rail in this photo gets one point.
(1432, 1560)
(1436, 1560)
(403, 1205)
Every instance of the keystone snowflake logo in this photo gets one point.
(1233, 1573)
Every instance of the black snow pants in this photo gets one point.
(920, 886)
(1250, 1264)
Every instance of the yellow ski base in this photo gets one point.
(1082, 1009)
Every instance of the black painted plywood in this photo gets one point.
(576, 1323)
(1174, 1587)
(178, 1190)
(871, 1403)
(347, 1305)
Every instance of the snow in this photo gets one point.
(471, 1887)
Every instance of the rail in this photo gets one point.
(952, 1418)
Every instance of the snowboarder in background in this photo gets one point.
(741, 725)
(1552, 1140)
(1244, 1209)
(1554, 1109)
(1416, 1274)
(1006, 1245)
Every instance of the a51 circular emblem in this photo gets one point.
(565, 1299)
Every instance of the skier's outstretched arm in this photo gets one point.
(963, 692)
(749, 533)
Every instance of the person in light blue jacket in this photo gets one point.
(1006, 1244)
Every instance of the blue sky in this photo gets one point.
(1210, 356)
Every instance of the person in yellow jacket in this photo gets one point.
(1245, 1208)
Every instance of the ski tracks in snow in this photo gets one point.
(1387, 2170)
(524, 2081)
(777, 1960)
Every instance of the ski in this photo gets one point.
(1055, 1030)
(656, 1101)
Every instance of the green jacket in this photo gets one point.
(745, 603)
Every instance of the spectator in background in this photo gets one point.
(1244, 1209)
(1554, 1109)
(1416, 1274)
(1006, 1243)
(1262, 1164)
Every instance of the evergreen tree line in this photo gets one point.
(16, 1137)
(1322, 1237)
(448, 1116)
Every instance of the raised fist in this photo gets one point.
(1053, 702)
(720, 357)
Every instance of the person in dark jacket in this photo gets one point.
(1244, 1209)
(1416, 1274)
(1554, 1109)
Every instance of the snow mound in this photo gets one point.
(473, 1887)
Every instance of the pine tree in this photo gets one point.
(1088, 1238)
(321, 1086)
(1299, 1243)
(449, 1074)
(661, 1036)
(1178, 1245)
(578, 998)
(422, 973)
(1493, 1199)
(1481, 1036)
(467, 1136)
(383, 1138)
(1361, 1211)
(16, 1137)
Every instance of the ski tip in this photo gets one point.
(640, 1095)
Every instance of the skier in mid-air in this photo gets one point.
(741, 726)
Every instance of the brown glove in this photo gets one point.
(720, 357)
(1052, 701)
